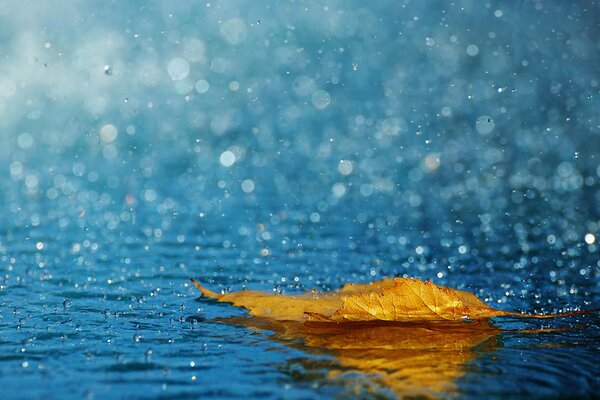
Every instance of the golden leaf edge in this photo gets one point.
(338, 305)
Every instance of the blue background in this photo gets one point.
(285, 146)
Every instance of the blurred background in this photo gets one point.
(290, 145)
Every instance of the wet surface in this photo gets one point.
(93, 323)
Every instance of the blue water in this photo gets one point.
(286, 146)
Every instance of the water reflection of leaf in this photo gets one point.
(413, 337)
(411, 359)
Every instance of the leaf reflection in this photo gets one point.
(409, 359)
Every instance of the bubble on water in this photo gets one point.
(320, 99)
(66, 304)
(178, 69)
(234, 31)
(108, 133)
(227, 158)
(202, 86)
(429, 41)
(484, 124)
(137, 337)
(39, 245)
(472, 50)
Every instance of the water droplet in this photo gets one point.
(321, 99)
(227, 158)
(345, 167)
(108, 133)
(178, 69)
(484, 124)
(247, 186)
(590, 238)
(202, 86)
(472, 50)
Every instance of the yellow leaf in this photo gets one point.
(404, 335)
(397, 299)
(279, 307)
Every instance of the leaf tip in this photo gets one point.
(195, 283)
(205, 291)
